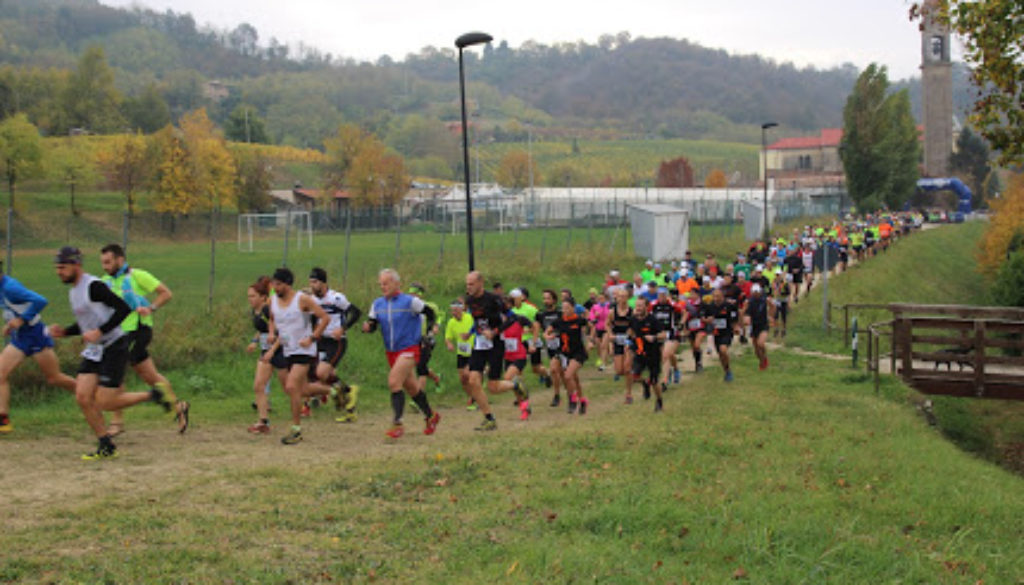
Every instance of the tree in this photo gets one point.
(564, 174)
(175, 187)
(244, 125)
(252, 182)
(21, 152)
(971, 163)
(879, 149)
(992, 33)
(716, 179)
(148, 112)
(1008, 286)
(675, 173)
(126, 166)
(515, 170)
(73, 166)
(211, 165)
(91, 100)
(1006, 226)
(375, 176)
(341, 151)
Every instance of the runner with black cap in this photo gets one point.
(331, 347)
(98, 314)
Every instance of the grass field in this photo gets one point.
(800, 474)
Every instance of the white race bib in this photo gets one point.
(93, 352)
(554, 343)
(511, 345)
(263, 341)
(482, 343)
(464, 347)
(621, 339)
(721, 324)
(694, 323)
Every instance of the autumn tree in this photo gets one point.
(72, 165)
(716, 179)
(992, 33)
(564, 174)
(675, 173)
(21, 152)
(252, 182)
(1006, 225)
(516, 169)
(125, 164)
(359, 162)
(174, 186)
(212, 166)
(879, 149)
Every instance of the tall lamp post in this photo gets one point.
(468, 40)
(764, 154)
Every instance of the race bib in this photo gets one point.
(721, 324)
(264, 345)
(511, 345)
(93, 352)
(464, 347)
(482, 343)
(621, 339)
(694, 323)
(554, 343)
(322, 356)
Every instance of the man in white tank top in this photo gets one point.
(290, 322)
(98, 314)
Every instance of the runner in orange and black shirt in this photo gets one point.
(695, 327)
(570, 329)
(618, 324)
(719, 316)
(646, 331)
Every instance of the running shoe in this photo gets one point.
(347, 417)
(557, 400)
(292, 438)
(647, 390)
(339, 393)
(664, 387)
(519, 388)
(572, 403)
(489, 424)
(260, 429)
(353, 398)
(583, 405)
(616, 378)
(306, 411)
(183, 408)
(657, 405)
(396, 431)
(629, 399)
(676, 375)
(600, 364)
(728, 376)
(432, 423)
(699, 368)
(101, 453)
(470, 405)
(5, 424)
(524, 410)
(763, 365)
(547, 381)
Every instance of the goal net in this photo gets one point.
(273, 231)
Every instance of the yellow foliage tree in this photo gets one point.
(1007, 221)
(514, 169)
(212, 166)
(175, 187)
(359, 161)
(124, 161)
(716, 179)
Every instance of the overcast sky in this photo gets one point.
(823, 33)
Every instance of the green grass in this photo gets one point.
(797, 475)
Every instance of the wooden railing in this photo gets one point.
(967, 338)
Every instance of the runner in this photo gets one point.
(428, 340)
(647, 334)
(290, 325)
(398, 315)
(619, 318)
(598, 316)
(513, 326)
(783, 287)
(531, 337)
(668, 314)
(134, 285)
(546, 317)
(98, 312)
(21, 308)
(271, 358)
(719, 316)
(486, 309)
(696, 329)
(760, 310)
(570, 328)
(331, 347)
(458, 337)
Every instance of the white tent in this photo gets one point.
(660, 232)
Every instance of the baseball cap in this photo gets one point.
(657, 265)
(318, 274)
(755, 289)
(592, 291)
(649, 262)
(515, 293)
(68, 255)
(759, 268)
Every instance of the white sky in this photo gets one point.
(823, 33)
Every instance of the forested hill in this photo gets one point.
(618, 87)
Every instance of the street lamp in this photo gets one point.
(467, 40)
(764, 154)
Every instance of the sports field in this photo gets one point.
(800, 474)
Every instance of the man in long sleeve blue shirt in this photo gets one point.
(28, 338)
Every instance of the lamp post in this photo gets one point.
(467, 40)
(764, 154)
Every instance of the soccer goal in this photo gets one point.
(267, 231)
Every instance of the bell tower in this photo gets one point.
(937, 92)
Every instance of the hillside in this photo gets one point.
(621, 86)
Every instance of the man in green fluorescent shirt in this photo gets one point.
(521, 305)
(458, 337)
(135, 286)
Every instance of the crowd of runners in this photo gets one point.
(643, 328)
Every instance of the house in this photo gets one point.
(807, 161)
(216, 91)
